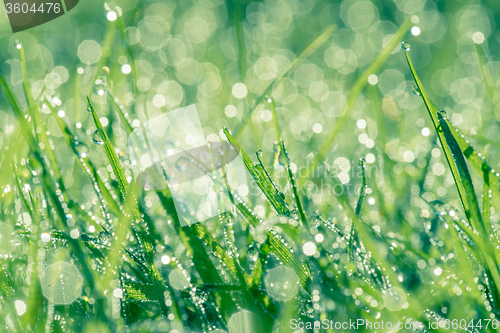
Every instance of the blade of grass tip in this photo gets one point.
(27, 89)
(352, 241)
(88, 167)
(472, 207)
(461, 175)
(49, 187)
(129, 194)
(308, 50)
(353, 94)
(453, 155)
(123, 117)
(261, 177)
(300, 209)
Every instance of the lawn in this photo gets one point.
(236, 166)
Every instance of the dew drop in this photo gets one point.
(97, 137)
(253, 252)
(444, 114)
(89, 108)
(103, 237)
(438, 207)
(416, 90)
(259, 152)
(362, 162)
(405, 46)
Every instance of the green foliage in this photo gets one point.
(390, 250)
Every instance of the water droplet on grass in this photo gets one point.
(444, 114)
(259, 153)
(405, 46)
(253, 252)
(362, 162)
(416, 90)
(438, 207)
(97, 137)
(89, 108)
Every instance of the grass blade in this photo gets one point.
(262, 179)
(461, 176)
(296, 198)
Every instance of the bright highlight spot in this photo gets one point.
(165, 260)
(309, 248)
(372, 79)
(20, 307)
(361, 123)
(478, 37)
(240, 90)
(111, 16)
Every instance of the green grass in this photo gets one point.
(129, 246)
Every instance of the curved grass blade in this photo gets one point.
(88, 166)
(50, 188)
(262, 179)
(280, 250)
(352, 239)
(464, 178)
(300, 209)
(453, 156)
(111, 154)
(461, 176)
